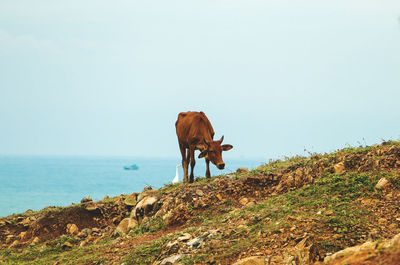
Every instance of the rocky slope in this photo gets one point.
(300, 210)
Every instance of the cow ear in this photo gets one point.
(203, 154)
(226, 147)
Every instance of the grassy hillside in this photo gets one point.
(301, 209)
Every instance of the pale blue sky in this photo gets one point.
(273, 76)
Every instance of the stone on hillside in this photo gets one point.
(199, 192)
(141, 196)
(130, 200)
(23, 236)
(171, 260)
(85, 232)
(35, 241)
(250, 204)
(194, 243)
(28, 221)
(83, 243)
(146, 206)
(91, 206)
(86, 199)
(72, 229)
(125, 226)
(351, 250)
(255, 260)
(393, 243)
(185, 237)
(306, 252)
(147, 188)
(383, 182)
(16, 243)
(242, 170)
(9, 239)
(243, 201)
(66, 245)
(172, 247)
(339, 168)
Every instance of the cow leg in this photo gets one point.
(185, 163)
(192, 163)
(208, 175)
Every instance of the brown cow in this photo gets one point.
(195, 132)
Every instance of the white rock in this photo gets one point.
(185, 237)
(382, 183)
(255, 260)
(171, 260)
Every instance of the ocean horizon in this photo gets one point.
(35, 182)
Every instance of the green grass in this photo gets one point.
(151, 226)
(53, 251)
(334, 194)
(146, 253)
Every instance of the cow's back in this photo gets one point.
(193, 127)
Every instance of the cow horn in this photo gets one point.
(206, 142)
(222, 138)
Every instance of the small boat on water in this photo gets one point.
(131, 167)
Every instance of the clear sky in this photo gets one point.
(108, 78)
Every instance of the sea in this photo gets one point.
(34, 182)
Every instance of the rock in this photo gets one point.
(351, 250)
(144, 208)
(125, 226)
(329, 213)
(339, 168)
(86, 199)
(194, 243)
(130, 200)
(383, 182)
(167, 216)
(15, 244)
(96, 230)
(91, 206)
(28, 221)
(242, 170)
(199, 193)
(9, 239)
(171, 260)
(84, 233)
(141, 196)
(250, 204)
(306, 252)
(172, 247)
(23, 236)
(147, 188)
(243, 201)
(185, 237)
(72, 229)
(234, 211)
(35, 241)
(66, 245)
(255, 260)
(393, 243)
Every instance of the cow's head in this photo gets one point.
(213, 152)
